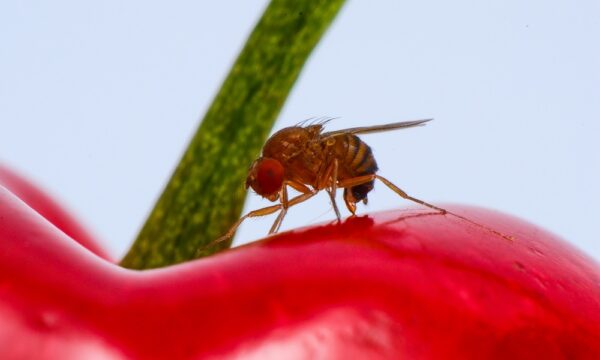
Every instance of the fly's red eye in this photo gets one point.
(269, 176)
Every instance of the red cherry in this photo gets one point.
(402, 284)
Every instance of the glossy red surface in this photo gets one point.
(402, 284)
(50, 209)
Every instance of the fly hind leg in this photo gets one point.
(403, 194)
(348, 183)
(366, 178)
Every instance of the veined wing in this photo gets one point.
(377, 128)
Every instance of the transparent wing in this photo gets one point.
(377, 128)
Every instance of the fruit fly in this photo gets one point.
(309, 160)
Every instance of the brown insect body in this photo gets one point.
(308, 157)
(310, 160)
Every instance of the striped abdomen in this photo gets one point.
(357, 160)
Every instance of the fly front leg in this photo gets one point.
(283, 196)
(255, 213)
(262, 212)
(285, 204)
(348, 183)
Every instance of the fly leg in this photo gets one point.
(403, 194)
(262, 212)
(255, 213)
(285, 204)
(283, 196)
(333, 189)
(366, 178)
(328, 180)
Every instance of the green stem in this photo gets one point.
(206, 192)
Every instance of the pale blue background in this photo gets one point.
(98, 100)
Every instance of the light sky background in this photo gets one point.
(99, 99)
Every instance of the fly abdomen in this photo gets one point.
(359, 161)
